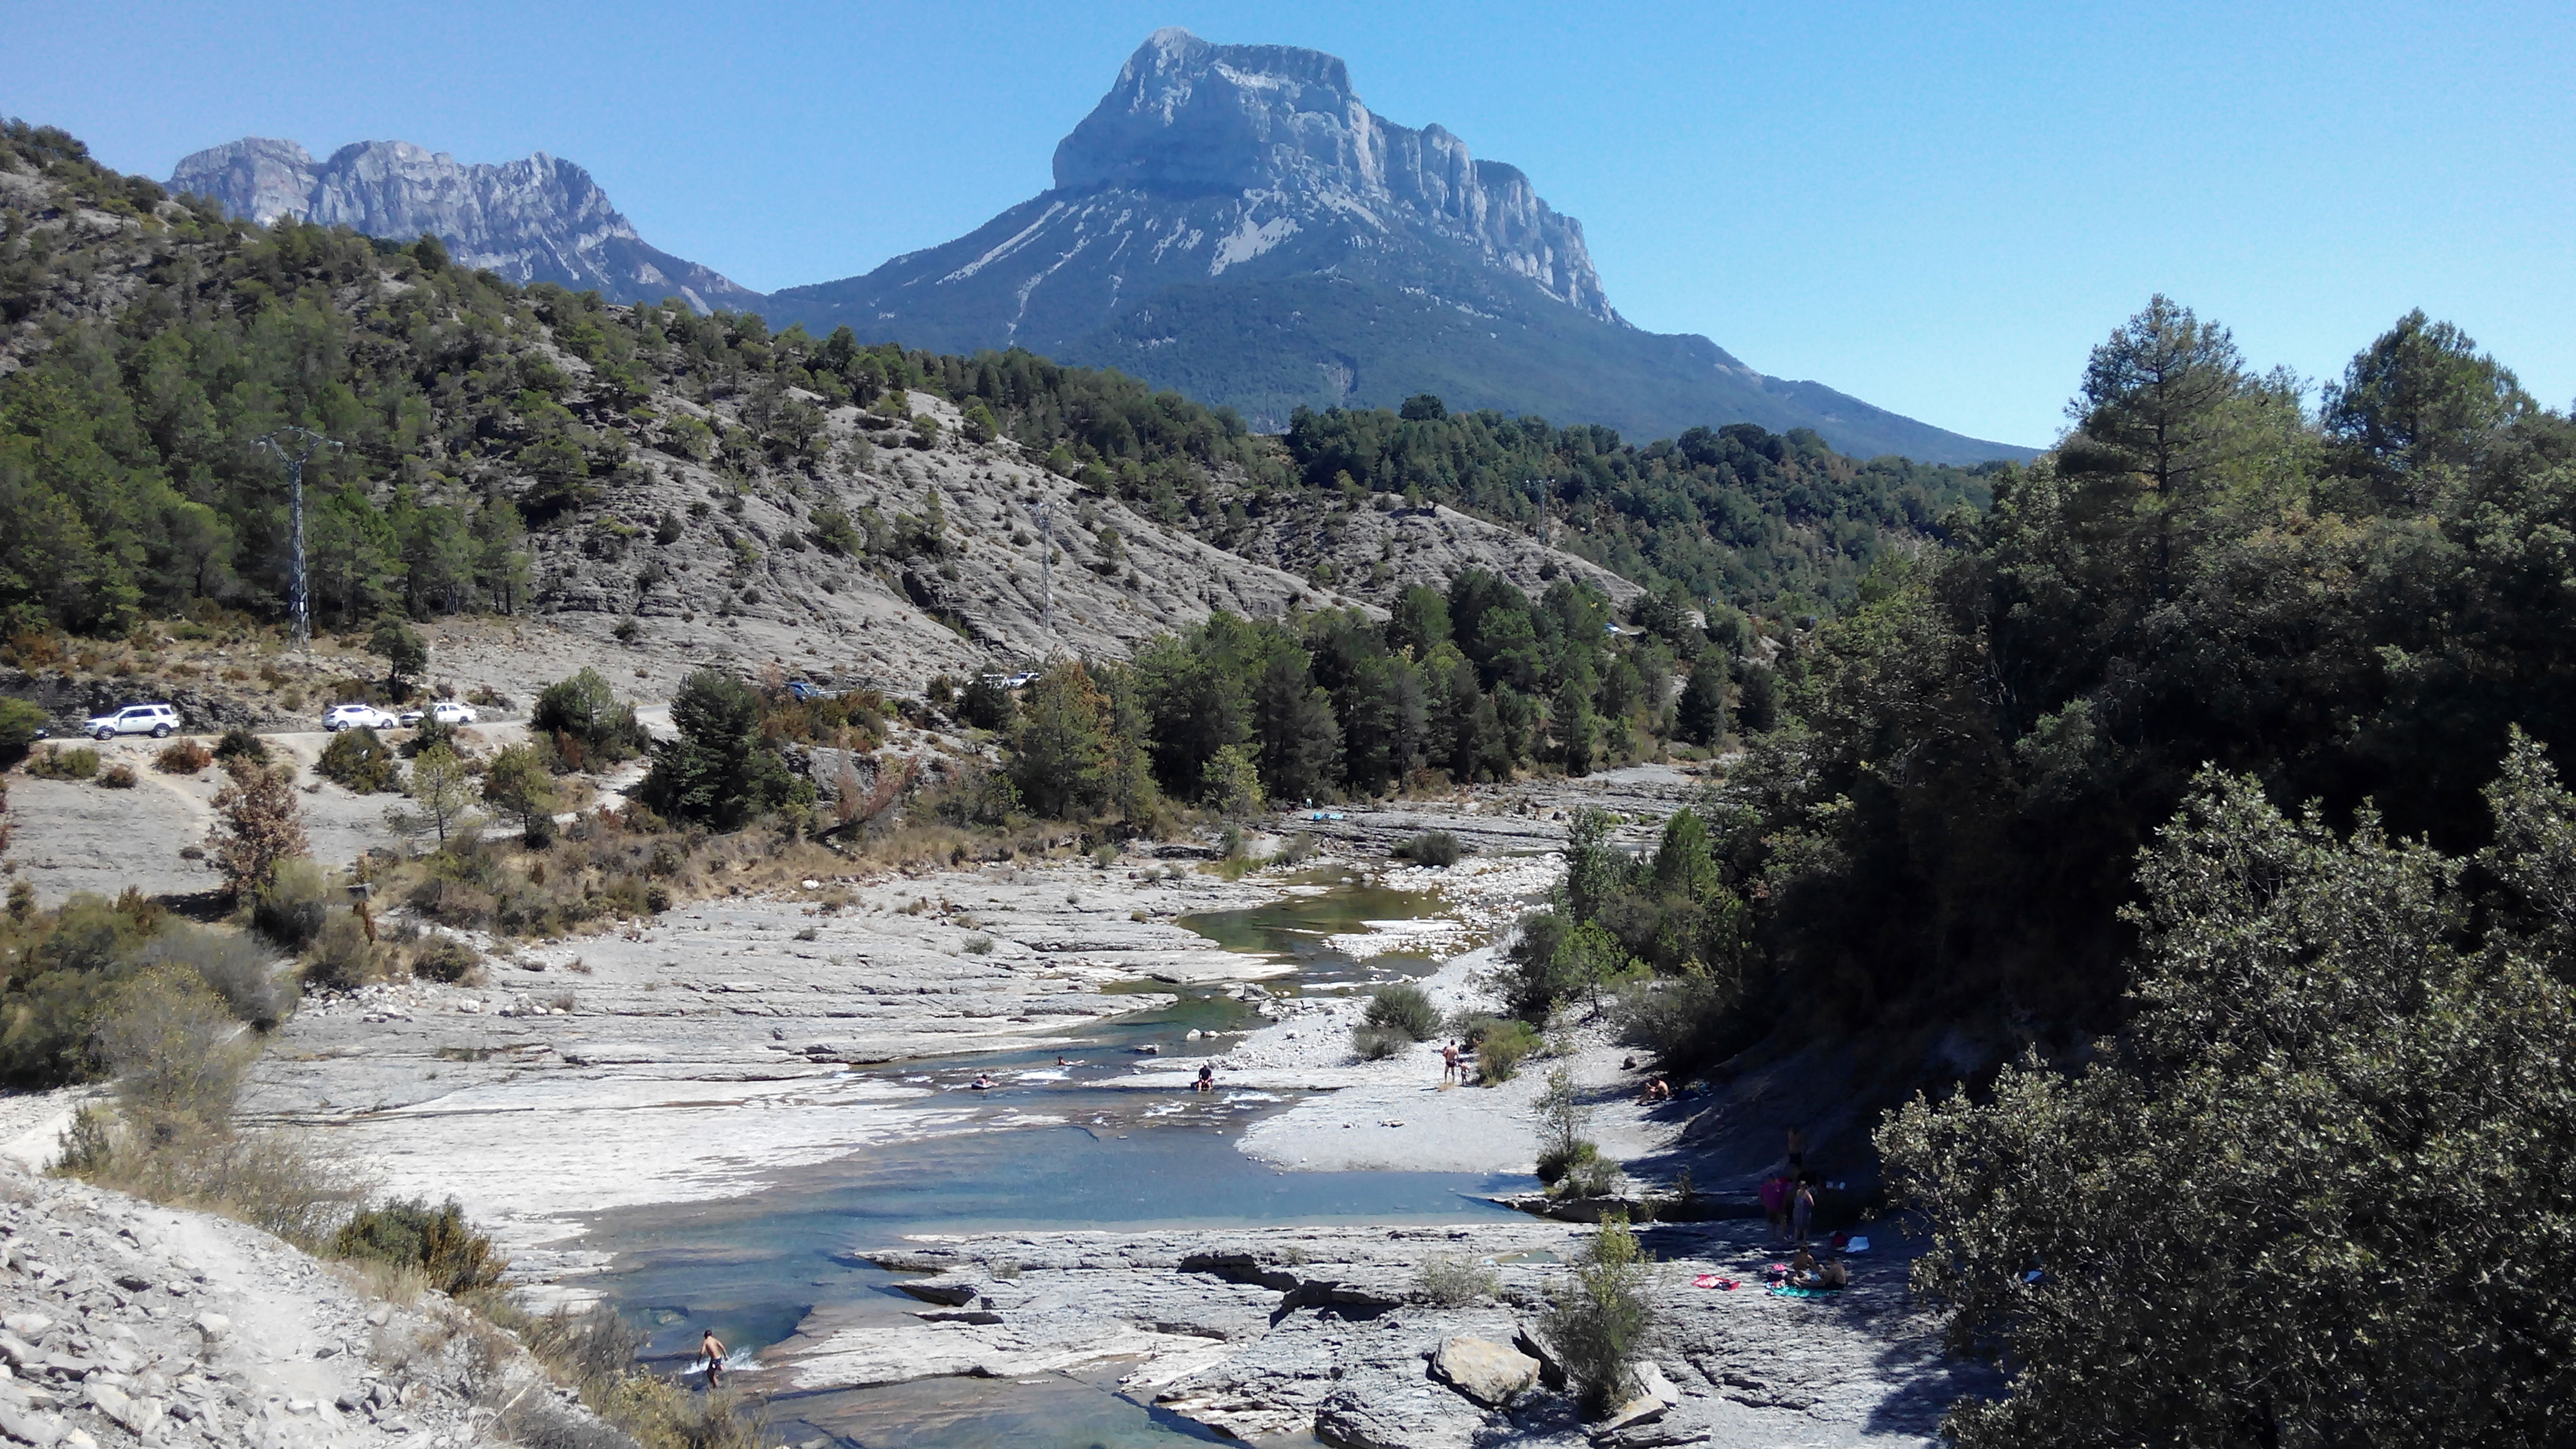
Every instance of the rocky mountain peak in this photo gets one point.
(540, 219)
(1281, 123)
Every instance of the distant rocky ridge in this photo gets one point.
(542, 219)
(1234, 222)
(1230, 221)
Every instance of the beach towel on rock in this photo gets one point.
(1783, 1290)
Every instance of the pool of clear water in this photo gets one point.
(1051, 1148)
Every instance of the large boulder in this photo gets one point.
(1485, 1371)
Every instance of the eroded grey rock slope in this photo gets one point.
(1233, 221)
(541, 219)
(122, 1323)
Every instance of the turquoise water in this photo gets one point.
(752, 1268)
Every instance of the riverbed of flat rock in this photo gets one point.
(124, 1323)
(682, 1060)
(1339, 1331)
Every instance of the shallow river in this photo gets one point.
(1050, 1149)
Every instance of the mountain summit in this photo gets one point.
(539, 220)
(1232, 221)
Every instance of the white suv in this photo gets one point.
(356, 716)
(445, 711)
(156, 720)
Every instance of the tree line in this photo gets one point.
(1476, 683)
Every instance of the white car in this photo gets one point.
(156, 720)
(445, 711)
(356, 716)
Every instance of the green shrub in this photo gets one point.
(1686, 1021)
(291, 909)
(988, 704)
(1599, 1319)
(1377, 1043)
(1500, 1054)
(64, 762)
(584, 711)
(411, 1233)
(240, 744)
(1432, 847)
(359, 762)
(1405, 1008)
(19, 722)
(1555, 1162)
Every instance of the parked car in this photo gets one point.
(356, 716)
(156, 720)
(445, 711)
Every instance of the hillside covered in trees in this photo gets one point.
(151, 342)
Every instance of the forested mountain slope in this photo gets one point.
(518, 451)
(515, 449)
(1232, 221)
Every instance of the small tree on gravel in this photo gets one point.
(443, 789)
(1598, 1319)
(518, 784)
(257, 826)
(405, 654)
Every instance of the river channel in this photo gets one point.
(1052, 1147)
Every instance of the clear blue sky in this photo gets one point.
(1938, 209)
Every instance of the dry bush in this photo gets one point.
(177, 1052)
(239, 968)
(341, 957)
(183, 757)
(258, 827)
(278, 1181)
(445, 959)
(1456, 1282)
(118, 776)
(292, 907)
(1377, 1043)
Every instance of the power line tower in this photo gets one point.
(306, 443)
(1046, 567)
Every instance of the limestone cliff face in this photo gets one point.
(542, 219)
(1281, 126)
(1232, 221)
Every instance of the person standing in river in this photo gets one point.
(712, 1349)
